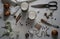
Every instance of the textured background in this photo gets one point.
(23, 29)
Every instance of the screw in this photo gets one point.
(27, 35)
(38, 12)
(55, 18)
(21, 24)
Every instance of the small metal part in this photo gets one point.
(46, 34)
(6, 5)
(24, 6)
(55, 19)
(43, 28)
(47, 29)
(47, 17)
(39, 36)
(21, 24)
(42, 33)
(56, 26)
(26, 24)
(52, 18)
(45, 14)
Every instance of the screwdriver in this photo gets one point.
(45, 22)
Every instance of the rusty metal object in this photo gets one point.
(6, 5)
(51, 14)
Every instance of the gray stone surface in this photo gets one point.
(23, 29)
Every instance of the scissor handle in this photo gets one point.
(53, 5)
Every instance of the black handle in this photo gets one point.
(53, 5)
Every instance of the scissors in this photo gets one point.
(52, 5)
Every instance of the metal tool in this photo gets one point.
(45, 22)
(51, 5)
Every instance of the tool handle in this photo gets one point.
(56, 26)
(53, 5)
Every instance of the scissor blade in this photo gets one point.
(40, 6)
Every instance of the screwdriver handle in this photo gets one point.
(56, 26)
